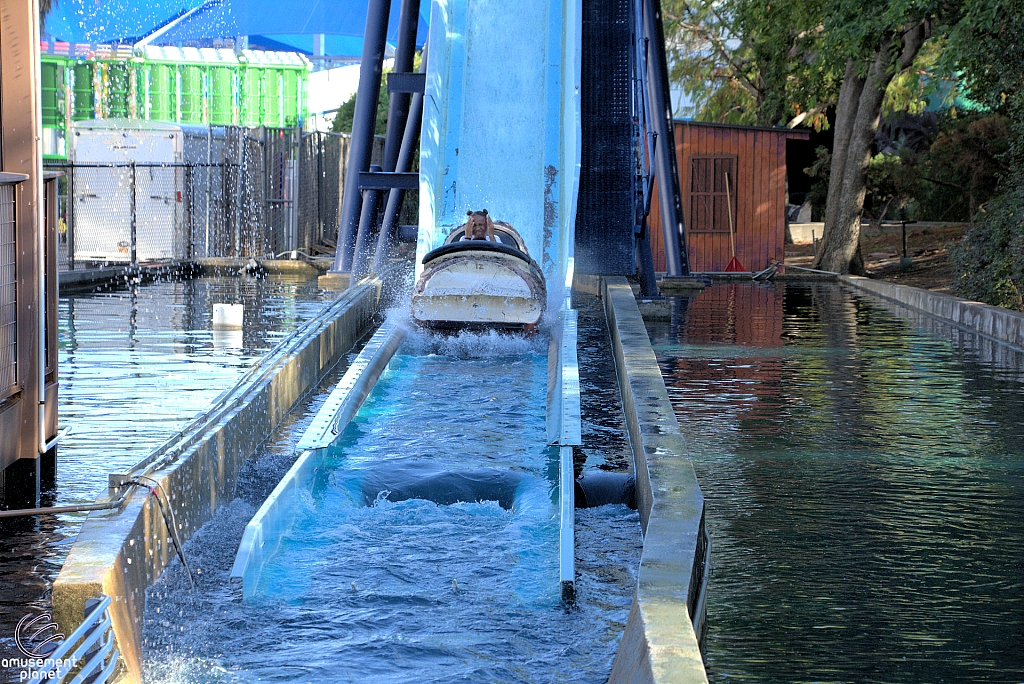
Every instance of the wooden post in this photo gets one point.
(21, 153)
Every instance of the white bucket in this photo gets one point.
(228, 316)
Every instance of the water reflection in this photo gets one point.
(135, 366)
(864, 484)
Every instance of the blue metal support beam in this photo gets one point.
(363, 124)
(410, 140)
(398, 112)
(677, 262)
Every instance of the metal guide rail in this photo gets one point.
(88, 655)
(564, 430)
(262, 535)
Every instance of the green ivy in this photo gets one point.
(989, 259)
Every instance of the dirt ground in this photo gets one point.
(927, 243)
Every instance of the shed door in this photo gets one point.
(712, 193)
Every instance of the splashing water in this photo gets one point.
(411, 590)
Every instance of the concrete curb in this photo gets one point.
(93, 278)
(659, 644)
(995, 323)
(121, 553)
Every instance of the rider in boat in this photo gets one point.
(479, 226)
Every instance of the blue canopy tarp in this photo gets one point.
(107, 21)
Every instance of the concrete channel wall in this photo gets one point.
(996, 323)
(659, 644)
(121, 553)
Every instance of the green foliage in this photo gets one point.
(856, 31)
(749, 61)
(769, 62)
(963, 167)
(819, 171)
(910, 92)
(989, 259)
(45, 6)
(893, 182)
(988, 49)
(346, 113)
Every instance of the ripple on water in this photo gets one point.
(410, 590)
(134, 367)
(864, 483)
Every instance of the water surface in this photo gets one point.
(864, 481)
(135, 366)
(413, 591)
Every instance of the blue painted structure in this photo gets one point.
(501, 125)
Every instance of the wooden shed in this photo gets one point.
(736, 172)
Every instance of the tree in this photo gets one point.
(44, 10)
(892, 181)
(750, 61)
(989, 48)
(343, 119)
(877, 46)
(966, 161)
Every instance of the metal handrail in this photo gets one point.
(93, 639)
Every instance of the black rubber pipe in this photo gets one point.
(599, 488)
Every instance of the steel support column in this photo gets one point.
(367, 218)
(405, 57)
(410, 139)
(395, 197)
(677, 262)
(398, 112)
(363, 124)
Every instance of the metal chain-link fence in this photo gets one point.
(8, 294)
(241, 193)
(237, 196)
(323, 163)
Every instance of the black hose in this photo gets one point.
(168, 515)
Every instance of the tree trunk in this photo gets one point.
(857, 117)
(846, 111)
(840, 249)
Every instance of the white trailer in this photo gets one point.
(103, 195)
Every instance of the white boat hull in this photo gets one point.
(486, 288)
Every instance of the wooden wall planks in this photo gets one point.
(760, 185)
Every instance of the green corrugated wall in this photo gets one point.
(272, 98)
(163, 92)
(192, 94)
(84, 106)
(222, 96)
(53, 93)
(117, 79)
(251, 97)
